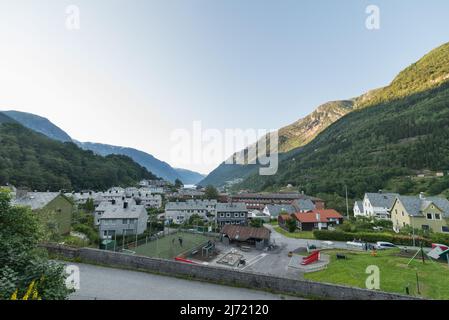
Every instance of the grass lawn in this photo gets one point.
(169, 247)
(295, 235)
(395, 275)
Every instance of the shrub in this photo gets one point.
(374, 237)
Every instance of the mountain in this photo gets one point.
(30, 159)
(189, 177)
(5, 119)
(39, 124)
(152, 164)
(159, 168)
(429, 72)
(290, 137)
(393, 134)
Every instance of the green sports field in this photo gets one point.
(169, 247)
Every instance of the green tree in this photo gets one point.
(21, 262)
(211, 192)
(291, 225)
(256, 223)
(178, 184)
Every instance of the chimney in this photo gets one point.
(380, 191)
(125, 205)
(421, 195)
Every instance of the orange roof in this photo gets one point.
(311, 216)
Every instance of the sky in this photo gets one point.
(137, 72)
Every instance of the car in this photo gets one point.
(384, 245)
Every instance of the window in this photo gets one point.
(402, 213)
(228, 215)
(429, 216)
(236, 215)
(437, 216)
(242, 215)
(222, 215)
(445, 229)
(425, 227)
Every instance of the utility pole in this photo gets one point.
(347, 205)
(123, 235)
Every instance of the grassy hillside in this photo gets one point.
(29, 159)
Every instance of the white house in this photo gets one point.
(358, 208)
(122, 219)
(377, 205)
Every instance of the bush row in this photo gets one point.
(372, 237)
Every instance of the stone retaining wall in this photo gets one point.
(219, 275)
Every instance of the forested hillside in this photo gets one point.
(389, 134)
(29, 159)
(370, 149)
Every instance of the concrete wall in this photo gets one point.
(221, 275)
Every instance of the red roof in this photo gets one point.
(312, 216)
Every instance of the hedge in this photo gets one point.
(375, 236)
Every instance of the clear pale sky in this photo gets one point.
(139, 69)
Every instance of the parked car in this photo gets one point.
(384, 245)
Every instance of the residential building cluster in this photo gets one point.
(418, 212)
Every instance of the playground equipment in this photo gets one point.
(208, 249)
(184, 260)
(314, 257)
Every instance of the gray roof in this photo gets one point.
(231, 207)
(415, 205)
(35, 200)
(383, 200)
(304, 204)
(190, 205)
(276, 209)
(359, 204)
(118, 212)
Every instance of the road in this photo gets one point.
(115, 284)
(292, 243)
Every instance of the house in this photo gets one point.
(305, 205)
(105, 204)
(149, 200)
(256, 214)
(179, 212)
(260, 237)
(317, 219)
(282, 220)
(48, 204)
(124, 219)
(232, 213)
(426, 213)
(378, 205)
(258, 201)
(358, 208)
(274, 210)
